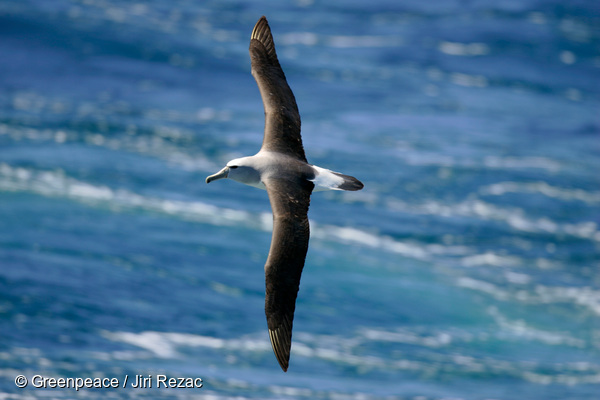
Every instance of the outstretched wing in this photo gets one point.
(290, 201)
(282, 120)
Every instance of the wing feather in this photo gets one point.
(282, 119)
(290, 201)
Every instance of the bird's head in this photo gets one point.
(240, 170)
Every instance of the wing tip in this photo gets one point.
(281, 342)
(261, 27)
(280, 348)
(262, 34)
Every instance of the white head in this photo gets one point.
(241, 170)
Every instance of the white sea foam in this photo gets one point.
(440, 339)
(349, 351)
(164, 139)
(171, 345)
(513, 216)
(463, 49)
(517, 278)
(509, 330)
(563, 379)
(519, 329)
(151, 341)
(485, 287)
(586, 297)
(303, 38)
(167, 344)
(340, 41)
(362, 41)
(468, 80)
(490, 259)
(57, 184)
(501, 188)
(522, 163)
(410, 249)
(427, 158)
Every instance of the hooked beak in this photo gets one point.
(222, 174)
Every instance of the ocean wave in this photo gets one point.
(490, 259)
(57, 184)
(406, 336)
(497, 162)
(581, 296)
(515, 217)
(463, 49)
(507, 331)
(171, 345)
(519, 330)
(501, 188)
(159, 144)
(340, 41)
(350, 351)
(166, 137)
(166, 344)
(489, 162)
(410, 249)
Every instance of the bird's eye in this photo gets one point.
(233, 167)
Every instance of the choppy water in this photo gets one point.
(468, 267)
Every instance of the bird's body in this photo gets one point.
(268, 164)
(280, 168)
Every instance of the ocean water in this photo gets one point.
(467, 268)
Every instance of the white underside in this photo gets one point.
(263, 160)
(259, 185)
(324, 180)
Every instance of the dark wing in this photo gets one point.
(289, 201)
(282, 120)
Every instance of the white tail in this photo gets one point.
(330, 180)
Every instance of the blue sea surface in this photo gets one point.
(467, 268)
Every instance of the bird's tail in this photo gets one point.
(349, 183)
(326, 179)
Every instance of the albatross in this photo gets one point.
(280, 167)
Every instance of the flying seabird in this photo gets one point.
(280, 167)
